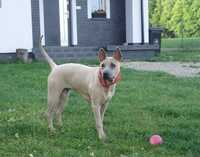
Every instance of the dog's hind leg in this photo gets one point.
(53, 101)
(60, 108)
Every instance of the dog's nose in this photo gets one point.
(105, 75)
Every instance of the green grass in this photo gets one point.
(189, 56)
(144, 104)
(186, 43)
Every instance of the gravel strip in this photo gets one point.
(178, 69)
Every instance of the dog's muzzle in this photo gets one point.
(104, 82)
(106, 76)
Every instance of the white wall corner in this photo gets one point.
(16, 23)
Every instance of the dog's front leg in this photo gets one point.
(99, 124)
(103, 110)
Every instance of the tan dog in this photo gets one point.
(95, 84)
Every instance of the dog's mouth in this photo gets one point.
(110, 80)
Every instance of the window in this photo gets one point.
(98, 8)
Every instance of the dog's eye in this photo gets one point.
(112, 65)
(103, 65)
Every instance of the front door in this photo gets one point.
(64, 20)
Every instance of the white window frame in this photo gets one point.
(90, 9)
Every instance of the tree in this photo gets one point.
(176, 21)
(192, 18)
(152, 6)
(179, 17)
(155, 18)
(166, 15)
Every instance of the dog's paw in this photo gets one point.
(102, 136)
(52, 131)
(58, 125)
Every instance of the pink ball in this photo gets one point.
(156, 140)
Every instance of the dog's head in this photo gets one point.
(110, 66)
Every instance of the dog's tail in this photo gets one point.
(52, 64)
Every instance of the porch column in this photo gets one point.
(146, 20)
(74, 23)
(137, 21)
(42, 30)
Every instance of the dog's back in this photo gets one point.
(74, 76)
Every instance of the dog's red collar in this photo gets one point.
(104, 83)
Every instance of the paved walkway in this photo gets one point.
(178, 69)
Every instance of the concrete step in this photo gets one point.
(60, 53)
(129, 52)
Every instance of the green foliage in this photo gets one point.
(193, 19)
(152, 5)
(166, 15)
(155, 18)
(180, 18)
(177, 18)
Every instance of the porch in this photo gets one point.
(71, 23)
(126, 26)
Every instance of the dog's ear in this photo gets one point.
(102, 54)
(117, 54)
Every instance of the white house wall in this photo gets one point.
(15, 25)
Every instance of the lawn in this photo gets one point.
(145, 104)
(186, 43)
(185, 56)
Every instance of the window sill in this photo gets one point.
(98, 19)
